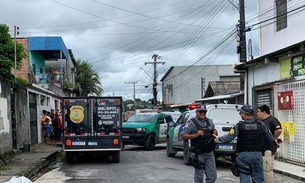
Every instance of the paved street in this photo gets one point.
(138, 165)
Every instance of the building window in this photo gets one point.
(281, 14)
(34, 69)
(40, 70)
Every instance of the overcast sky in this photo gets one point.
(118, 36)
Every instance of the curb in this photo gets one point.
(289, 175)
(32, 171)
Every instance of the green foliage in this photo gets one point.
(62, 157)
(22, 81)
(86, 79)
(7, 53)
(129, 105)
(3, 166)
(68, 85)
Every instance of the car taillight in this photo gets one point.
(115, 141)
(68, 142)
(117, 132)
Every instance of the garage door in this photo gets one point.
(264, 97)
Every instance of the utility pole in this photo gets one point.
(242, 41)
(154, 63)
(16, 32)
(134, 94)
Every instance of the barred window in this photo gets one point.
(281, 14)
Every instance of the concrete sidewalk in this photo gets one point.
(289, 169)
(28, 164)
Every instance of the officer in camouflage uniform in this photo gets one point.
(251, 134)
(199, 130)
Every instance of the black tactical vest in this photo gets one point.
(250, 137)
(205, 143)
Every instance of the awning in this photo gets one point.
(218, 97)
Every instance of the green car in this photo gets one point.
(145, 129)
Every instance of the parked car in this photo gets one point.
(146, 129)
(174, 114)
(224, 117)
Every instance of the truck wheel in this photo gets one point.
(116, 157)
(169, 149)
(69, 157)
(150, 143)
(186, 158)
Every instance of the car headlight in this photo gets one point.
(141, 129)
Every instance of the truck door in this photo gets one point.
(162, 128)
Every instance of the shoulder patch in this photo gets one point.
(232, 131)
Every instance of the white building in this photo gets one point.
(185, 84)
(277, 77)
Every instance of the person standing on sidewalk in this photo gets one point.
(263, 113)
(53, 120)
(42, 121)
(58, 127)
(200, 130)
(48, 128)
(250, 135)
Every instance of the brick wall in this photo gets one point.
(24, 71)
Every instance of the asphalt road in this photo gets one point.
(138, 165)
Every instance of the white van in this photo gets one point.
(224, 117)
(174, 114)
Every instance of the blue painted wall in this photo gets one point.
(48, 43)
(38, 60)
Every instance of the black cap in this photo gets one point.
(201, 108)
(246, 109)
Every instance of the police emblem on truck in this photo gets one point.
(77, 114)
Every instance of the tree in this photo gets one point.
(7, 53)
(87, 80)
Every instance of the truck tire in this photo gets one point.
(169, 149)
(69, 157)
(150, 143)
(116, 157)
(186, 158)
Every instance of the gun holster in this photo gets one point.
(197, 164)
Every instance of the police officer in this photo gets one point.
(251, 134)
(200, 130)
(263, 113)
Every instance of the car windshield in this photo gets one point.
(141, 119)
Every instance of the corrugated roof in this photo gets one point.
(216, 88)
